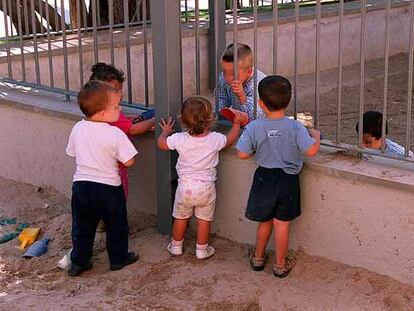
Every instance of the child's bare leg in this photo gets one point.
(179, 228)
(203, 231)
(281, 241)
(264, 230)
(203, 250)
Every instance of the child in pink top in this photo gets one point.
(115, 77)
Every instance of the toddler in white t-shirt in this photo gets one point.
(198, 155)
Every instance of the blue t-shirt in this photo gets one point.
(276, 143)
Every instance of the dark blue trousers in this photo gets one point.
(92, 202)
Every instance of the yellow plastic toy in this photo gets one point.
(28, 236)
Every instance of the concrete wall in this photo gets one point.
(375, 42)
(355, 211)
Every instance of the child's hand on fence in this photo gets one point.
(237, 88)
(167, 126)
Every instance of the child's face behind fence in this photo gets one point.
(228, 73)
(369, 141)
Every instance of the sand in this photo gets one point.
(159, 282)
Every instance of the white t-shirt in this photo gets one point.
(198, 156)
(98, 148)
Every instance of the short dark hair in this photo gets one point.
(275, 92)
(372, 124)
(244, 55)
(93, 97)
(106, 72)
(196, 114)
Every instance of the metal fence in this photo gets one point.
(362, 40)
(48, 22)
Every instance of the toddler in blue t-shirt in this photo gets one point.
(279, 145)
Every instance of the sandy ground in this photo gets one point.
(158, 282)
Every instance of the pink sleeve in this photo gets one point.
(124, 124)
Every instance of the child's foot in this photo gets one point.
(76, 270)
(257, 264)
(205, 252)
(281, 272)
(131, 258)
(175, 250)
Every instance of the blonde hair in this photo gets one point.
(244, 55)
(196, 114)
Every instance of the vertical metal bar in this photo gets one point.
(10, 9)
(98, 10)
(362, 78)
(168, 97)
(317, 61)
(56, 16)
(40, 17)
(197, 45)
(127, 49)
(94, 33)
(6, 30)
(386, 71)
(49, 46)
(340, 76)
(217, 39)
(111, 29)
(410, 82)
(255, 3)
(144, 28)
(85, 19)
(36, 54)
(20, 32)
(296, 78)
(235, 44)
(65, 51)
(275, 23)
(78, 18)
(186, 10)
(26, 17)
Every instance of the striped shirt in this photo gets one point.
(395, 150)
(225, 97)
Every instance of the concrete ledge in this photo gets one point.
(358, 211)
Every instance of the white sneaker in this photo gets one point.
(175, 250)
(65, 262)
(205, 253)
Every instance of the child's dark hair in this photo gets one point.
(196, 114)
(107, 72)
(275, 92)
(244, 55)
(93, 97)
(372, 124)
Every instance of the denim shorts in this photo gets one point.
(274, 195)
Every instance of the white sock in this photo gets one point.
(177, 243)
(201, 247)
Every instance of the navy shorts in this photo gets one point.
(274, 195)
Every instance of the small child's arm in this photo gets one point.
(314, 149)
(235, 130)
(167, 129)
(243, 155)
(141, 127)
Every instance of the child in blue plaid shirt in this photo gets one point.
(238, 93)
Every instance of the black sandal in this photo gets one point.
(284, 271)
